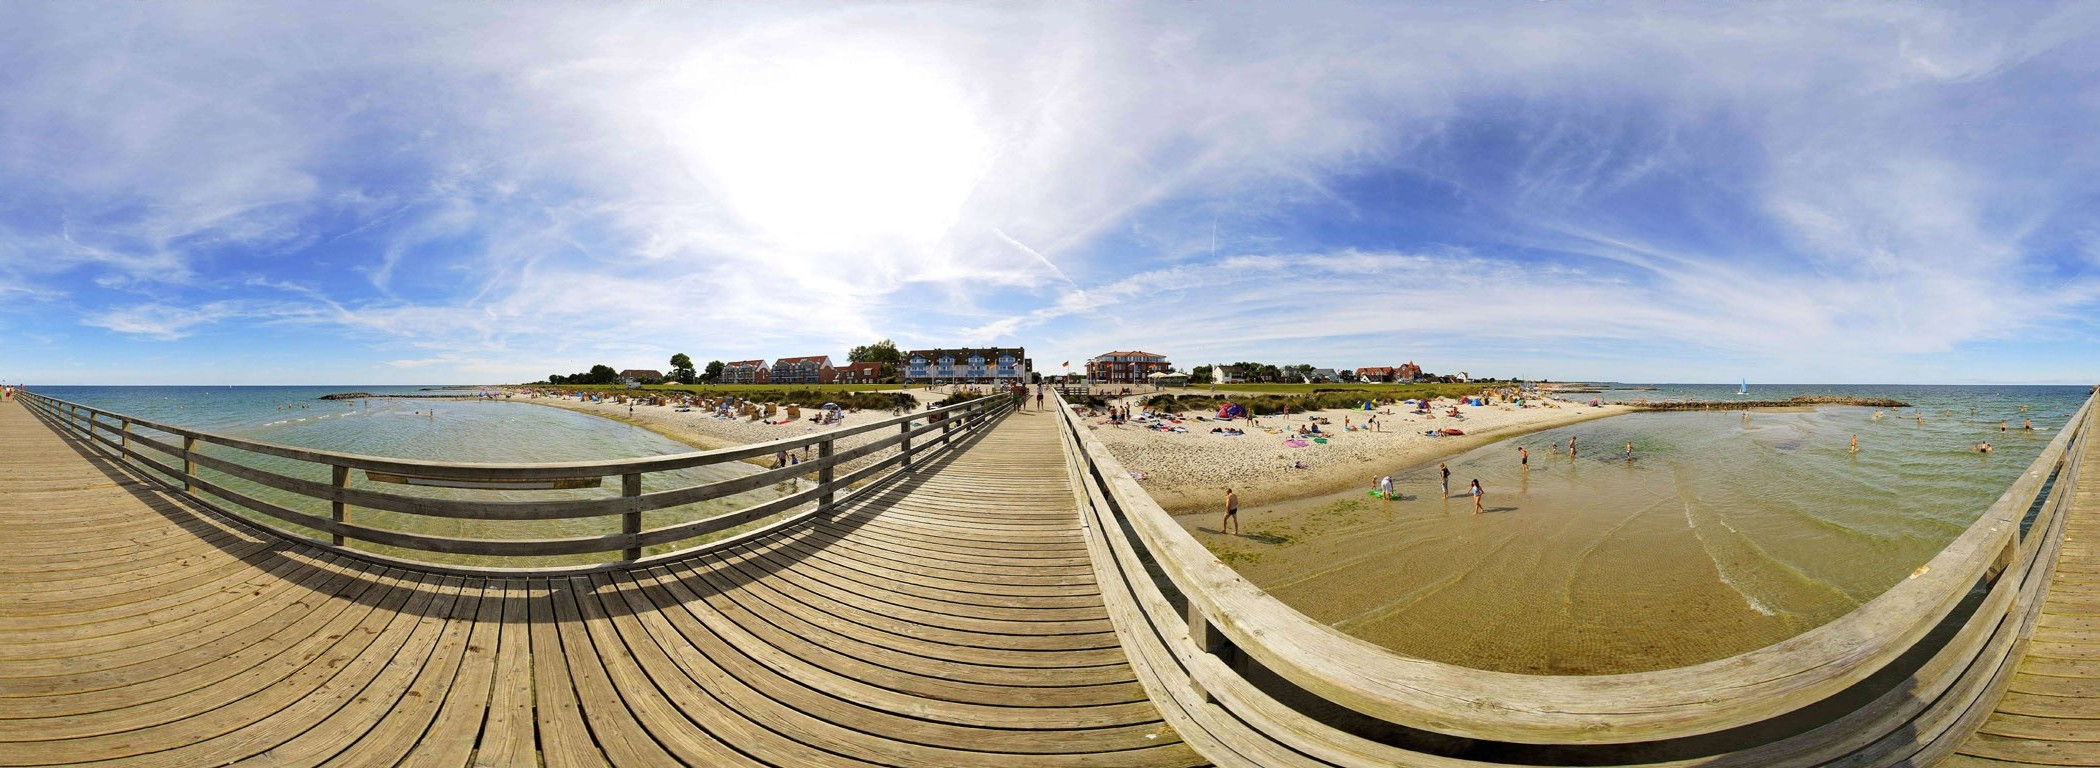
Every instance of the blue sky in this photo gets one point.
(198, 193)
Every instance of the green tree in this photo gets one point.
(602, 374)
(556, 378)
(682, 369)
(884, 351)
(1199, 375)
(714, 372)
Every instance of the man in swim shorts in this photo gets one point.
(1232, 513)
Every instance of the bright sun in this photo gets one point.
(835, 150)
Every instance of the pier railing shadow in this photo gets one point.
(704, 572)
(266, 489)
(1898, 681)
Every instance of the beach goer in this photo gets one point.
(2027, 424)
(1445, 472)
(1038, 398)
(1385, 487)
(1477, 494)
(2001, 426)
(1983, 447)
(1629, 450)
(1571, 446)
(1232, 512)
(1523, 457)
(1855, 443)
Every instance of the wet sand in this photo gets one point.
(1188, 472)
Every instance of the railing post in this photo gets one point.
(1207, 639)
(189, 465)
(824, 477)
(905, 447)
(631, 522)
(338, 510)
(947, 427)
(124, 441)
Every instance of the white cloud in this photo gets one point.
(558, 182)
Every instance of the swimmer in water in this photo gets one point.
(1983, 447)
(1629, 450)
(1571, 446)
(1855, 443)
(2027, 424)
(2001, 426)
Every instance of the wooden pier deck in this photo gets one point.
(952, 619)
(2050, 711)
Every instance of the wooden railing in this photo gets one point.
(1898, 680)
(176, 454)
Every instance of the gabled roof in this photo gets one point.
(642, 373)
(805, 359)
(744, 363)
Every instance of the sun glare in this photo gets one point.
(836, 152)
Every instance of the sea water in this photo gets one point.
(1725, 532)
(414, 425)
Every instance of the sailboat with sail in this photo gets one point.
(1744, 390)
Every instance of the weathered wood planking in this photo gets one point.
(1195, 668)
(119, 436)
(2049, 713)
(950, 619)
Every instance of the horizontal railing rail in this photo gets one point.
(178, 457)
(1975, 599)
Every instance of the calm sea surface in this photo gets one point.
(438, 430)
(1724, 534)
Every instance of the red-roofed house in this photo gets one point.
(1382, 374)
(746, 372)
(1126, 367)
(814, 369)
(860, 373)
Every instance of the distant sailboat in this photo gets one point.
(1745, 389)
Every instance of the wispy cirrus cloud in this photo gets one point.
(1572, 187)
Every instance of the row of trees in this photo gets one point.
(1289, 374)
(683, 372)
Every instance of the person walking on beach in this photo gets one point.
(1232, 513)
(1523, 457)
(1571, 446)
(1477, 494)
(1629, 450)
(1445, 471)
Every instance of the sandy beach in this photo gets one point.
(1188, 471)
(704, 431)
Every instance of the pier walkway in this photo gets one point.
(919, 625)
(984, 586)
(2050, 711)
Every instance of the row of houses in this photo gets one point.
(991, 365)
(1406, 372)
(808, 369)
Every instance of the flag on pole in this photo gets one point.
(1068, 363)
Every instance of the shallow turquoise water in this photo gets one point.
(1724, 534)
(494, 430)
